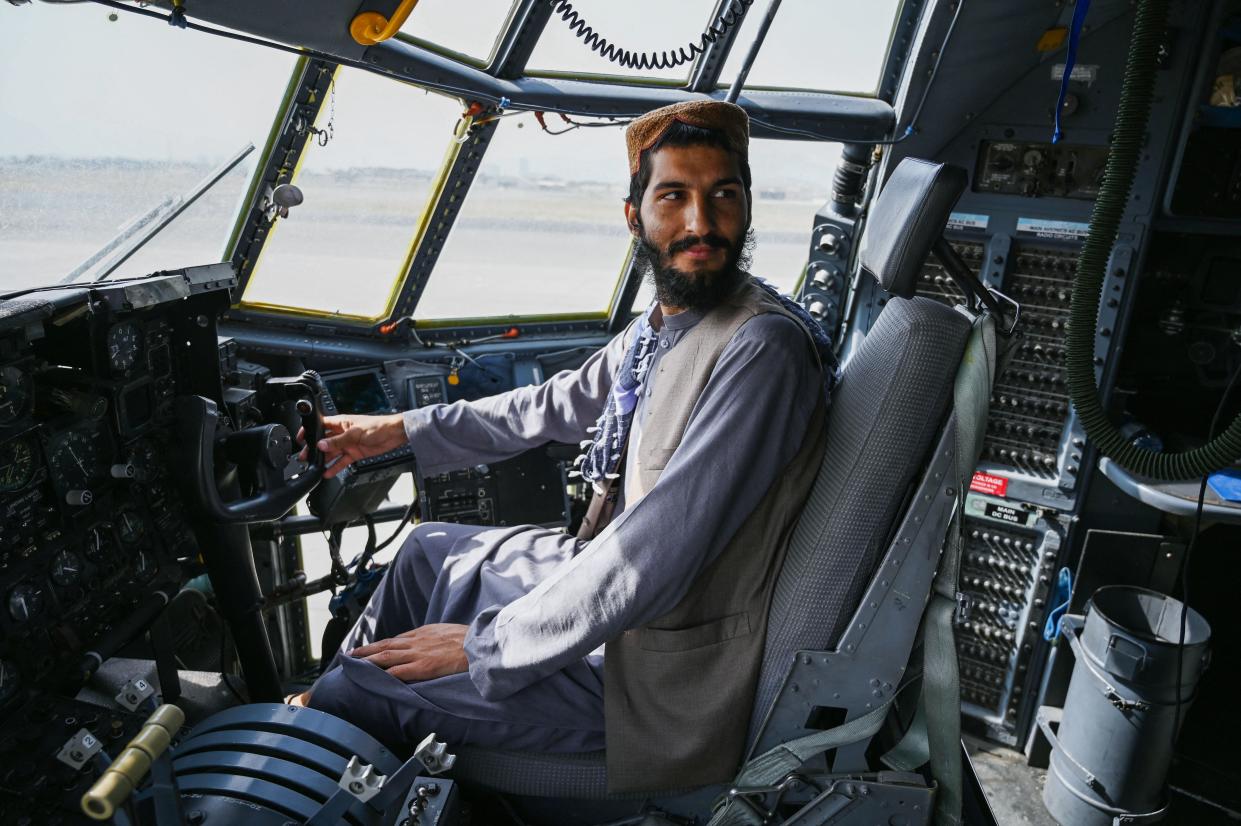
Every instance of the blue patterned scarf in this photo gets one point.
(609, 435)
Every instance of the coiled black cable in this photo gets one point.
(644, 61)
(1132, 117)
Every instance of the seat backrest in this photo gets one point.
(887, 412)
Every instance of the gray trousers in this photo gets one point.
(448, 573)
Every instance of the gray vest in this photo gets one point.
(678, 692)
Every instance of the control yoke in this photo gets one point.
(267, 453)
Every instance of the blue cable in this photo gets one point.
(1059, 598)
(1075, 33)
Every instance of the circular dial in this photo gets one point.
(124, 342)
(17, 464)
(99, 542)
(77, 458)
(25, 601)
(10, 681)
(67, 568)
(132, 526)
(14, 394)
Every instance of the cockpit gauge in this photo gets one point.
(17, 464)
(10, 681)
(14, 394)
(25, 601)
(67, 568)
(77, 458)
(99, 542)
(132, 526)
(124, 343)
(145, 460)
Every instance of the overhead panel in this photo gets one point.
(577, 35)
(443, 25)
(543, 231)
(367, 176)
(833, 45)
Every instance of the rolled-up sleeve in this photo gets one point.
(745, 428)
(451, 436)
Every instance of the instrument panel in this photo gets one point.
(90, 518)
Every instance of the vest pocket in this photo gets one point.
(696, 636)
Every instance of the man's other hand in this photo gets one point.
(350, 438)
(425, 653)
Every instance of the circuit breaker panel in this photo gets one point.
(1020, 226)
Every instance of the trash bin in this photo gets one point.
(1111, 752)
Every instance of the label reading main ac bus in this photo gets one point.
(988, 484)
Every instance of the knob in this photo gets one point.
(79, 498)
(826, 278)
(124, 471)
(820, 311)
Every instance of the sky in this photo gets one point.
(75, 84)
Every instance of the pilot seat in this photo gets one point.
(904, 433)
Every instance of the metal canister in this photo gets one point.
(1111, 754)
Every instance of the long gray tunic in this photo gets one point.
(539, 603)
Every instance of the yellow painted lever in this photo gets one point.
(125, 774)
(370, 27)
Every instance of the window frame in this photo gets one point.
(400, 273)
(515, 42)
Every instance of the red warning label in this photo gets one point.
(988, 484)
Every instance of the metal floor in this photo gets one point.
(1014, 790)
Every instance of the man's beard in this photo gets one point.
(699, 289)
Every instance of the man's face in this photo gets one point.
(692, 224)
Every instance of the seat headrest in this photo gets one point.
(909, 213)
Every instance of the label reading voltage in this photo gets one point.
(988, 484)
(1004, 513)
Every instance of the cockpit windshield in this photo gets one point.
(536, 230)
(86, 170)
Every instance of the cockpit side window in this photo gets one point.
(111, 140)
(542, 232)
(826, 45)
(368, 175)
(640, 26)
(792, 180)
(440, 26)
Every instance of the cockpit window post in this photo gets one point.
(303, 99)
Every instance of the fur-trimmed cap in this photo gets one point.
(728, 118)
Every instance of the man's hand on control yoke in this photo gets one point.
(425, 653)
(350, 438)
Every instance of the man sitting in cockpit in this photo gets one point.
(703, 429)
